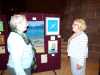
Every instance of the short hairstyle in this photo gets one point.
(82, 25)
(15, 20)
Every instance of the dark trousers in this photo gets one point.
(12, 72)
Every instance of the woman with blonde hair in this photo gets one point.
(77, 47)
(19, 47)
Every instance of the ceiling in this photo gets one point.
(8, 6)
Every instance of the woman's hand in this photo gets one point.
(78, 66)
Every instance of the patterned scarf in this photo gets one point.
(24, 36)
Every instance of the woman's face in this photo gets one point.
(75, 26)
(22, 26)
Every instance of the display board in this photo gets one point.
(3, 38)
(44, 32)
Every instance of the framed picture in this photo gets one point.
(52, 25)
(1, 26)
(2, 40)
(52, 46)
(35, 32)
(44, 58)
(2, 49)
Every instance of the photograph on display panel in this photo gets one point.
(2, 49)
(1, 26)
(2, 40)
(52, 25)
(53, 46)
(35, 32)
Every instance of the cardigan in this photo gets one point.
(20, 54)
(78, 46)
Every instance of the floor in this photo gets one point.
(92, 68)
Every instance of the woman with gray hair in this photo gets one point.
(77, 47)
(19, 47)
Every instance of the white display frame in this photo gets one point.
(52, 25)
(52, 46)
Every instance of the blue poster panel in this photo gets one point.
(35, 32)
(52, 25)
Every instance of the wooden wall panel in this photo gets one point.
(90, 11)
